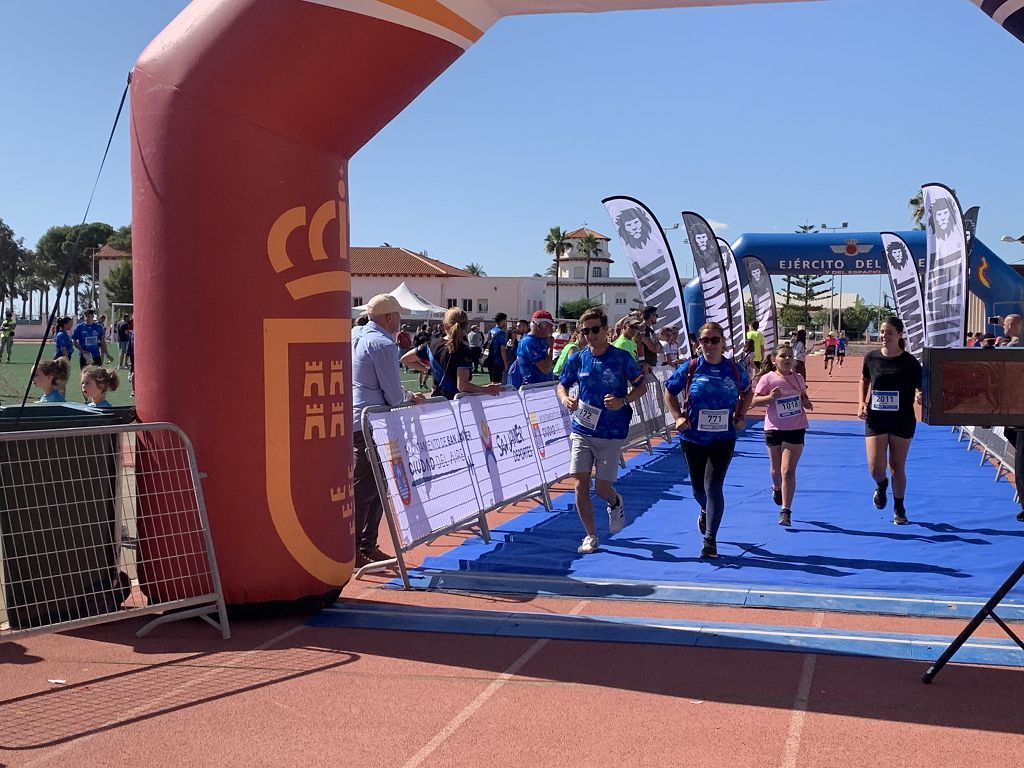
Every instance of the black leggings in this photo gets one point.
(708, 465)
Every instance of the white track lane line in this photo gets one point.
(803, 695)
(470, 709)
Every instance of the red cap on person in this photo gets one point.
(542, 316)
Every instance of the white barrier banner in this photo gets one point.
(422, 455)
(652, 405)
(550, 426)
(663, 373)
(500, 446)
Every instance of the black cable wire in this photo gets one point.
(73, 255)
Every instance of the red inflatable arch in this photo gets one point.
(244, 116)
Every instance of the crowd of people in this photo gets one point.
(600, 368)
(87, 339)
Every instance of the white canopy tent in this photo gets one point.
(414, 306)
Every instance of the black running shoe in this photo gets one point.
(899, 517)
(785, 517)
(879, 497)
(777, 496)
(1020, 516)
(702, 522)
(709, 551)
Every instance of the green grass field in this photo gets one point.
(14, 376)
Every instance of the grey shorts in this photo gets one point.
(590, 451)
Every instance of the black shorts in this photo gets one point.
(842, 353)
(495, 371)
(890, 424)
(830, 353)
(780, 436)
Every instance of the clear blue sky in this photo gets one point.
(759, 117)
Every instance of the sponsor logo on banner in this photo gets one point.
(538, 438)
(738, 328)
(398, 472)
(906, 290)
(945, 292)
(852, 248)
(710, 268)
(650, 260)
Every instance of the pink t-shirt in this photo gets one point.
(786, 411)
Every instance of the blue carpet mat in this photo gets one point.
(962, 542)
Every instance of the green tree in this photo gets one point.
(807, 290)
(857, 317)
(56, 245)
(555, 244)
(748, 313)
(14, 259)
(475, 269)
(792, 315)
(118, 283)
(121, 239)
(572, 310)
(588, 247)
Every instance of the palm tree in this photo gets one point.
(589, 247)
(555, 244)
(475, 269)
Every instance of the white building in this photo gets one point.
(619, 295)
(378, 270)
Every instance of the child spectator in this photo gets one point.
(96, 383)
(50, 376)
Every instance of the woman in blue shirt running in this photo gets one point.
(96, 383)
(49, 376)
(716, 395)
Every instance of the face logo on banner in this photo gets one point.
(701, 239)
(942, 222)
(896, 255)
(756, 274)
(634, 227)
(488, 445)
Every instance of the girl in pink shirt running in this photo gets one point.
(784, 392)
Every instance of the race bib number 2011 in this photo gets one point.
(713, 420)
(587, 415)
(883, 400)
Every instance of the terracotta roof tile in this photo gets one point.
(583, 232)
(106, 252)
(383, 261)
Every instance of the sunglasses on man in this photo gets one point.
(710, 339)
(591, 329)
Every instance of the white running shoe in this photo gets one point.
(616, 514)
(589, 545)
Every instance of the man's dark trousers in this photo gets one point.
(369, 509)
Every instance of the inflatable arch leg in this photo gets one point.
(244, 115)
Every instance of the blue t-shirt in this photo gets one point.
(104, 403)
(55, 396)
(88, 336)
(498, 339)
(600, 375)
(64, 346)
(531, 350)
(713, 397)
(842, 343)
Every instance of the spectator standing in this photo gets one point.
(758, 338)
(88, 340)
(421, 338)
(7, 327)
(600, 420)
(375, 381)
(626, 340)
(570, 348)
(121, 329)
(648, 346)
(800, 350)
(449, 359)
(497, 354)
(62, 339)
(97, 383)
(559, 340)
(533, 354)
(476, 345)
(51, 376)
(1012, 325)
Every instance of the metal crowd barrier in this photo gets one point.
(442, 465)
(99, 524)
(993, 444)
